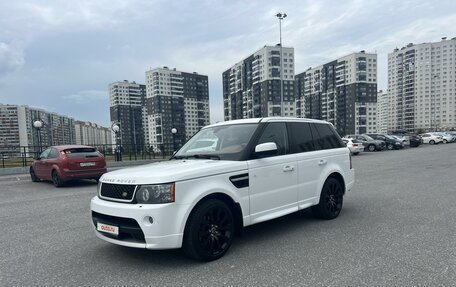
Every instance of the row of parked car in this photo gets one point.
(377, 142)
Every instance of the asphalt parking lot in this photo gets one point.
(397, 228)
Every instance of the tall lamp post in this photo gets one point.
(174, 132)
(38, 124)
(281, 16)
(116, 129)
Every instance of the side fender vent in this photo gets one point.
(240, 180)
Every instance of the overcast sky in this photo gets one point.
(61, 55)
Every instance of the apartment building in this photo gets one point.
(343, 92)
(127, 109)
(383, 112)
(16, 127)
(421, 85)
(88, 133)
(178, 101)
(252, 87)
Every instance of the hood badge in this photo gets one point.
(124, 194)
(114, 180)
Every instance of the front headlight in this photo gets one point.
(155, 194)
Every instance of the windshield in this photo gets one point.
(390, 137)
(220, 142)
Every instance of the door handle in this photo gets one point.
(322, 162)
(288, 168)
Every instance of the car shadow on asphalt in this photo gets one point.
(72, 184)
(269, 233)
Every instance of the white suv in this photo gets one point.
(251, 171)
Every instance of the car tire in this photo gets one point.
(209, 231)
(56, 180)
(331, 200)
(390, 147)
(33, 175)
(445, 141)
(431, 142)
(371, 147)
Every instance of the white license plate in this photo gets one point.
(108, 228)
(87, 164)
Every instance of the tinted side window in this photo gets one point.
(328, 138)
(276, 133)
(301, 137)
(54, 153)
(316, 137)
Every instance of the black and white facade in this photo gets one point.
(343, 92)
(421, 85)
(127, 107)
(175, 100)
(252, 87)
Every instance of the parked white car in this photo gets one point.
(431, 138)
(446, 138)
(354, 146)
(260, 169)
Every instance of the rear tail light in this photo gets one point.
(355, 145)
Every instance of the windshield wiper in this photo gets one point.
(206, 156)
(198, 156)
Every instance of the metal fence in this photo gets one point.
(21, 156)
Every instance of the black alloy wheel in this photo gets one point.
(209, 231)
(33, 175)
(56, 180)
(331, 200)
(371, 147)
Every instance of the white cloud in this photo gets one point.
(11, 58)
(85, 97)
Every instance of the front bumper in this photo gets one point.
(166, 231)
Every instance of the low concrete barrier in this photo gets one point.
(109, 164)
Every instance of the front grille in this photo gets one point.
(117, 191)
(129, 229)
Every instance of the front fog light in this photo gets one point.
(155, 194)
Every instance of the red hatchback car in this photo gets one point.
(67, 162)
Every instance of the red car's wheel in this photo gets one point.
(56, 180)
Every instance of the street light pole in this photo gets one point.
(116, 129)
(174, 132)
(38, 124)
(281, 16)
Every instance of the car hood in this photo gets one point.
(172, 171)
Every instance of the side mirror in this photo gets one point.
(266, 148)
